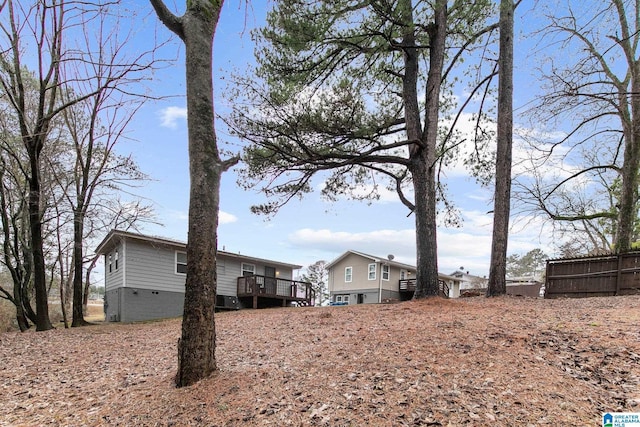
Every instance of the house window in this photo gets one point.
(385, 272)
(342, 298)
(221, 267)
(248, 269)
(116, 259)
(181, 262)
(348, 274)
(110, 262)
(372, 272)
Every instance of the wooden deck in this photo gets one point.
(273, 289)
(408, 287)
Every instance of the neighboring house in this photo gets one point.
(145, 278)
(359, 278)
(522, 286)
(469, 281)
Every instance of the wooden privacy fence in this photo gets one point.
(603, 275)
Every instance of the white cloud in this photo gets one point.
(169, 116)
(179, 215)
(468, 247)
(223, 217)
(226, 218)
(529, 147)
(385, 195)
(463, 249)
(400, 243)
(477, 222)
(455, 248)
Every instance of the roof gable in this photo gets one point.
(116, 236)
(372, 258)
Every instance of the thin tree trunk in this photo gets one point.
(17, 270)
(78, 257)
(87, 283)
(63, 286)
(21, 318)
(64, 282)
(497, 272)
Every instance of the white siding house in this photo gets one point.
(145, 277)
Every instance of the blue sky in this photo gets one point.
(308, 230)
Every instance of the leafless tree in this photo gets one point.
(72, 62)
(591, 91)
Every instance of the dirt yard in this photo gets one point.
(469, 362)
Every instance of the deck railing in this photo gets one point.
(274, 287)
(409, 285)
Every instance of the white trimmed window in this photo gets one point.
(110, 262)
(372, 271)
(385, 272)
(116, 259)
(342, 298)
(181, 262)
(248, 269)
(348, 274)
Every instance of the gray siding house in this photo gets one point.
(145, 277)
(359, 278)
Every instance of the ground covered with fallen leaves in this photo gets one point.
(467, 362)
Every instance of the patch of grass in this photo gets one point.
(7, 316)
(95, 312)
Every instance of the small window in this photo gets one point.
(110, 263)
(372, 272)
(181, 263)
(385, 272)
(248, 269)
(342, 298)
(348, 274)
(116, 259)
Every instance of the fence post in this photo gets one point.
(547, 282)
(619, 275)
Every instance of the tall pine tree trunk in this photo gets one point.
(196, 347)
(198, 326)
(497, 272)
(423, 153)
